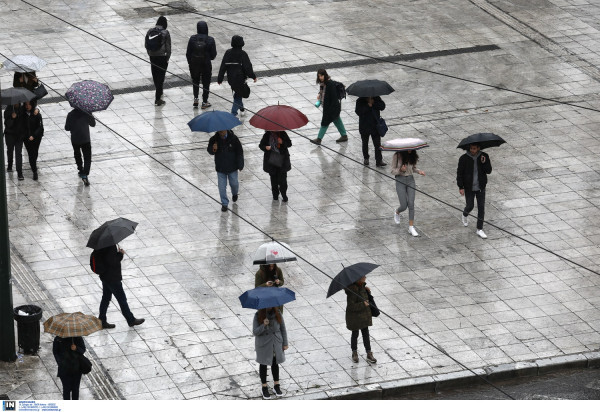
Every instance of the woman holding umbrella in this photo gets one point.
(276, 161)
(404, 164)
(32, 132)
(270, 343)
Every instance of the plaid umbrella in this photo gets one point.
(89, 96)
(24, 64)
(69, 325)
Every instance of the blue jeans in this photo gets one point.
(237, 103)
(115, 289)
(233, 183)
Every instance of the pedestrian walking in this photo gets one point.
(404, 164)
(78, 123)
(27, 80)
(471, 178)
(276, 161)
(329, 99)
(158, 46)
(359, 318)
(238, 67)
(270, 342)
(109, 259)
(65, 353)
(369, 110)
(14, 138)
(201, 50)
(32, 131)
(269, 275)
(229, 159)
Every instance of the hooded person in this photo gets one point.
(78, 123)
(238, 67)
(201, 50)
(158, 45)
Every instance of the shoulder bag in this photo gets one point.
(374, 310)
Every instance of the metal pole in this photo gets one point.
(7, 324)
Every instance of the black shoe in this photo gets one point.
(136, 322)
(344, 138)
(106, 325)
(277, 391)
(316, 141)
(159, 102)
(366, 162)
(234, 198)
(20, 177)
(284, 199)
(265, 392)
(381, 164)
(196, 102)
(223, 208)
(35, 176)
(275, 197)
(9, 168)
(85, 181)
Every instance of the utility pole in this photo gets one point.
(7, 324)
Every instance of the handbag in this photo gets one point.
(374, 310)
(85, 365)
(275, 159)
(381, 127)
(245, 91)
(40, 91)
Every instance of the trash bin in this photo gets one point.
(28, 327)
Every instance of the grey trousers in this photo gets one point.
(405, 188)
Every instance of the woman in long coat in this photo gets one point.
(271, 143)
(64, 350)
(358, 317)
(332, 107)
(33, 131)
(270, 343)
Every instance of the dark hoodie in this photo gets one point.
(237, 65)
(210, 50)
(165, 49)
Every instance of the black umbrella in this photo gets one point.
(484, 140)
(369, 88)
(111, 233)
(16, 95)
(349, 275)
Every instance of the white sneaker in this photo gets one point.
(412, 231)
(465, 220)
(481, 234)
(396, 217)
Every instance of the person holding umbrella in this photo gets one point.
(270, 343)
(78, 123)
(14, 138)
(368, 110)
(332, 107)
(269, 275)
(229, 158)
(276, 161)
(404, 164)
(32, 130)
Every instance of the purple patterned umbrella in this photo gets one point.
(89, 96)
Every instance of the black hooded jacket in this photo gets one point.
(237, 65)
(165, 49)
(210, 50)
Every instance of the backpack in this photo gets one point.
(154, 39)
(97, 265)
(199, 49)
(341, 90)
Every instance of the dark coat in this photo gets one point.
(269, 339)
(230, 155)
(12, 127)
(210, 51)
(261, 278)
(265, 141)
(78, 123)
(110, 258)
(165, 48)
(358, 316)
(60, 348)
(368, 116)
(464, 172)
(31, 124)
(332, 107)
(26, 80)
(237, 65)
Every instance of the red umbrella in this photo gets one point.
(278, 118)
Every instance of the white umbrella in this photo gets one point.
(272, 252)
(24, 64)
(403, 144)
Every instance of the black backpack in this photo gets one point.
(199, 49)
(154, 39)
(341, 90)
(97, 265)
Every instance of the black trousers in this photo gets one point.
(86, 150)
(470, 198)
(70, 385)
(366, 339)
(32, 148)
(279, 182)
(158, 73)
(14, 144)
(376, 142)
(205, 75)
(262, 371)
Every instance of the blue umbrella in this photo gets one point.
(266, 297)
(213, 122)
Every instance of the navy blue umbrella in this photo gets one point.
(266, 297)
(213, 121)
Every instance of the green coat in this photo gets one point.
(358, 316)
(260, 279)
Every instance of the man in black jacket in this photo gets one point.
(471, 178)
(201, 50)
(368, 110)
(229, 158)
(32, 131)
(14, 138)
(109, 258)
(238, 67)
(78, 123)
(159, 58)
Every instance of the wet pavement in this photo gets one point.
(489, 302)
